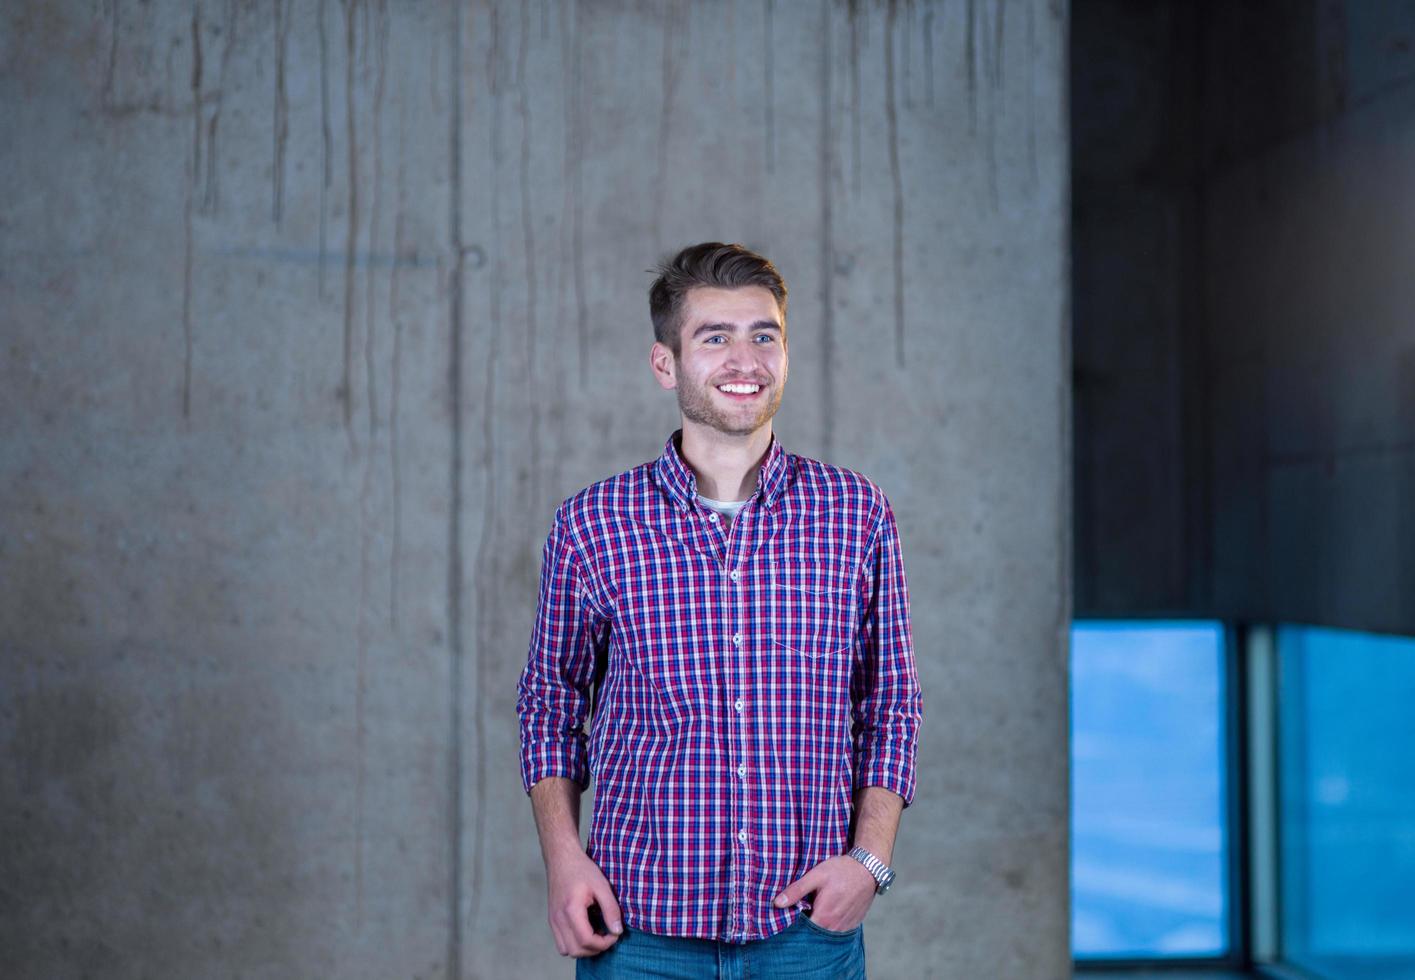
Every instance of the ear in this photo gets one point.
(665, 371)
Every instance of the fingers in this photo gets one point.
(587, 942)
(608, 907)
(581, 937)
(842, 896)
(797, 890)
(573, 931)
(581, 904)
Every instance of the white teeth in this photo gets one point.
(740, 389)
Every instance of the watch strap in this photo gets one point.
(882, 873)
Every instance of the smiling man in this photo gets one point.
(739, 616)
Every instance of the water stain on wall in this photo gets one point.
(211, 197)
(897, 180)
(193, 169)
(326, 155)
(670, 61)
(283, 12)
(351, 233)
(826, 181)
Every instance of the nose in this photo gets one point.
(740, 352)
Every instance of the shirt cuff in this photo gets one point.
(887, 765)
(542, 759)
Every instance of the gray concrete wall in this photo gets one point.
(1309, 243)
(313, 311)
(1139, 500)
(1245, 353)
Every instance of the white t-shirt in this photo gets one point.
(727, 508)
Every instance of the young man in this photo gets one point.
(742, 616)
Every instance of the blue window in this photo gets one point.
(1149, 846)
(1347, 811)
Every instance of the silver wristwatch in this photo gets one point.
(883, 873)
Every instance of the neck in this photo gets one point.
(726, 466)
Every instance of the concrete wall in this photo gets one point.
(1139, 501)
(1245, 354)
(1309, 243)
(313, 311)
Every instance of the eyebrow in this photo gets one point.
(759, 325)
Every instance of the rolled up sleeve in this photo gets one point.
(553, 691)
(886, 702)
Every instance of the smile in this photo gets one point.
(740, 392)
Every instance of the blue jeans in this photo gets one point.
(801, 951)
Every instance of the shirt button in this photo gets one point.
(742, 771)
(737, 639)
(713, 518)
(742, 836)
(738, 705)
(733, 575)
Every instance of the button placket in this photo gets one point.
(736, 670)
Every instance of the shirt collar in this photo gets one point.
(678, 481)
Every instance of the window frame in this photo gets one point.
(1233, 780)
(1251, 790)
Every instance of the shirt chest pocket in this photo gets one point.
(812, 607)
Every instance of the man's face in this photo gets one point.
(728, 335)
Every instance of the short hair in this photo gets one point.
(707, 264)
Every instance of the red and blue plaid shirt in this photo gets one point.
(756, 675)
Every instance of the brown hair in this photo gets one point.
(707, 264)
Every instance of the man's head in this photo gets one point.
(719, 314)
(709, 264)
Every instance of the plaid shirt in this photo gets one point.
(757, 674)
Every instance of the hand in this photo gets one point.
(574, 884)
(844, 889)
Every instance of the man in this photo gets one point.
(741, 616)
